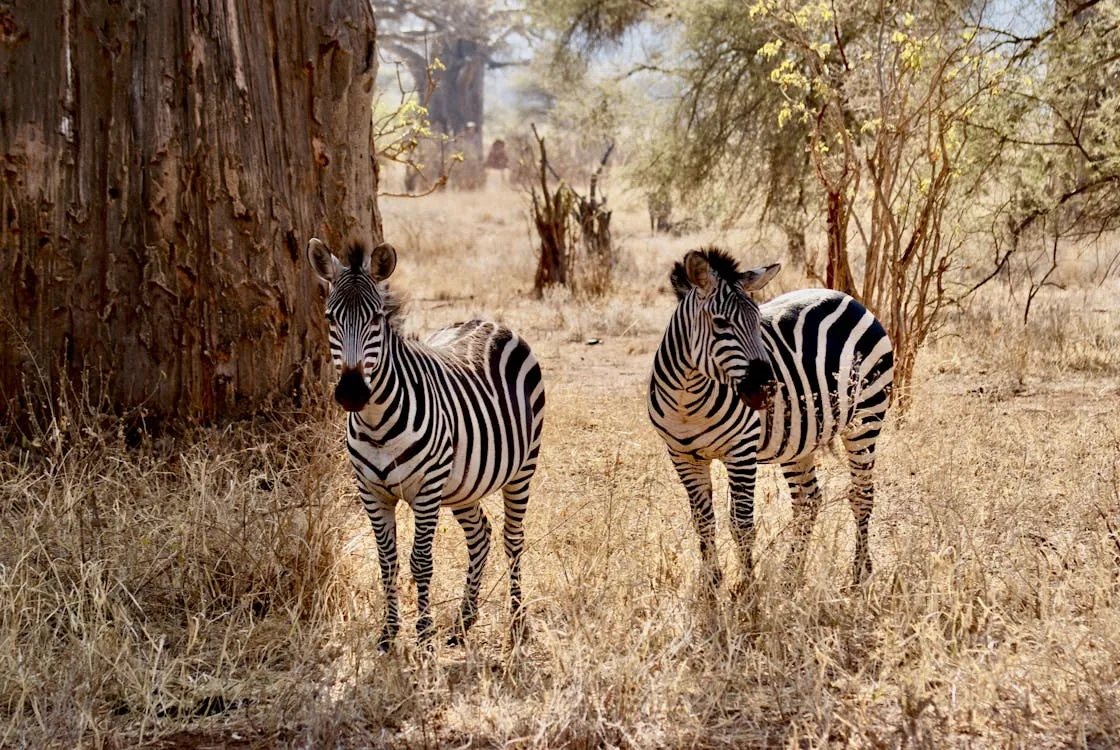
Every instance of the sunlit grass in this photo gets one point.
(224, 587)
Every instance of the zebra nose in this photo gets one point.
(352, 393)
(755, 388)
(761, 371)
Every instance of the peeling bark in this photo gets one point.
(161, 168)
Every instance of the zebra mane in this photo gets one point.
(724, 266)
(395, 304)
(356, 256)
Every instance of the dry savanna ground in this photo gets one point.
(221, 591)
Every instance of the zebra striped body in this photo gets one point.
(469, 399)
(443, 422)
(832, 367)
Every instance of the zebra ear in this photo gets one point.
(322, 260)
(382, 261)
(699, 272)
(756, 278)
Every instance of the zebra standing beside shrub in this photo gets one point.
(438, 423)
(772, 384)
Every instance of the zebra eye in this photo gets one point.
(720, 322)
(330, 317)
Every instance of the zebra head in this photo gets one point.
(724, 333)
(358, 310)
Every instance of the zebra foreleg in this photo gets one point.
(383, 518)
(425, 511)
(477, 530)
(516, 496)
(741, 472)
(696, 475)
(805, 493)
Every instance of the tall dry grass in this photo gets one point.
(222, 590)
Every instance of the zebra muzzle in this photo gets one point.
(755, 395)
(352, 393)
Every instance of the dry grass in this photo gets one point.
(222, 591)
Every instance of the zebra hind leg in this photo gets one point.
(516, 496)
(477, 530)
(860, 447)
(805, 492)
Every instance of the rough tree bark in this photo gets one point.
(163, 165)
(839, 271)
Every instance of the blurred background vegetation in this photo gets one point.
(907, 153)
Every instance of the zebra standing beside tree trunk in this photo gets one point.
(438, 423)
(772, 384)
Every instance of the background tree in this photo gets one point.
(163, 166)
(1060, 183)
(718, 147)
(897, 127)
(886, 91)
(465, 37)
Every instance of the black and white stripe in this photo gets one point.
(773, 384)
(438, 423)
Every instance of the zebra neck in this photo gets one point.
(394, 385)
(672, 365)
(676, 385)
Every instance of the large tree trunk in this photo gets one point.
(163, 167)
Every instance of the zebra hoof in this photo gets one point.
(857, 584)
(467, 616)
(425, 627)
(744, 590)
(385, 640)
(716, 579)
(861, 571)
(709, 583)
(459, 635)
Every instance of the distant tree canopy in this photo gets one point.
(416, 31)
(1067, 155)
(451, 44)
(1056, 103)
